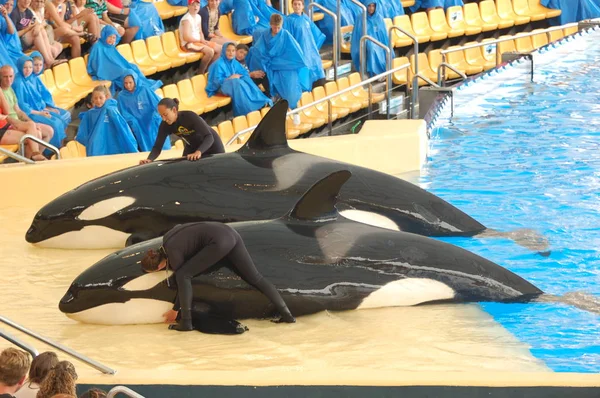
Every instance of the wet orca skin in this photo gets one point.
(262, 180)
(318, 260)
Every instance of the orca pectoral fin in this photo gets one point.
(525, 237)
(582, 300)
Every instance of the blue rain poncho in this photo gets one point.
(30, 100)
(282, 59)
(349, 11)
(11, 42)
(46, 96)
(103, 131)
(106, 63)
(245, 13)
(145, 15)
(393, 8)
(245, 95)
(139, 109)
(376, 62)
(573, 10)
(310, 39)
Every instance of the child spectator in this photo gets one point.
(40, 367)
(120, 22)
(192, 39)
(376, 60)
(59, 380)
(210, 15)
(38, 70)
(259, 77)
(80, 18)
(14, 365)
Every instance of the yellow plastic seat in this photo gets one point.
(489, 15)
(188, 97)
(505, 11)
(556, 35)
(400, 77)
(506, 46)
(164, 9)
(73, 149)
(539, 40)
(345, 45)
(327, 63)
(159, 92)
(253, 118)
(240, 123)
(80, 75)
(456, 21)
(400, 39)
(171, 91)
(521, 8)
(62, 99)
(340, 111)
(178, 144)
(331, 88)
(474, 18)
(226, 29)
(141, 56)
(125, 51)
(407, 3)
(344, 83)
(420, 24)
(571, 30)
(524, 44)
(458, 60)
(264, 111)
(439, 23)
(474, 57)
(157, 53)
(317, 16)
(311, 115)
(11, 148)
(171, 47)
(320, 110)
(435, 59)
(294, 130)
(226, 132)
(536, 7)
(424, 68)
(489, 52)
(212, 103)
(64, 81)
(361, 93)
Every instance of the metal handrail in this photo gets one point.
(442, 75)
(414, 91)
(364, 16)
(39, 141)
(123, 390)
(336, 43)
(16, 156)
(21, 344)
(67, 350)
(363, 68)
(337, 25)
(326, 98)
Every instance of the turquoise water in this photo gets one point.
(519, 154)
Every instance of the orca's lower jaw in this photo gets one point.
(41, 230)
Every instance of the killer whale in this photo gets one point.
(318, 260)
(262, 180)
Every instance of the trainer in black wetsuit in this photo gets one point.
(191, 249)
(198, 137)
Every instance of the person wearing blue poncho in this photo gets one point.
(276, 52)
(229, 77)
(248, 15)
(103, 131)
(309, 37)
(376, 61)
(10, 45)
(393, 8)
(138, 105)
(30, 101)
(106, 63)
(573, 10)
(146, 17)
(349, 11)
(38, 69)
(431, 4)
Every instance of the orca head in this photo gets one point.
(116, 290)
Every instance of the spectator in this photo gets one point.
(64, 31)
(210, 15)
(393, 8)
(31, 102)
(38, 70)
(348, 14)
(100, 8)
(14, 365)
(81, 18)
(147, 18)
(39, 9)
(192, 39)
(310, 39)
(103, 130)
(138, 105)
(40, 367)
(250, 15)
(31, 33)
(376, 60)
(229, 77)
(9, 39)
(277, 53)
(258, 76)
(59, 380)
(93, 393)
(106, 63)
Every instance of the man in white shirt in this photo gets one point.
(192, 39)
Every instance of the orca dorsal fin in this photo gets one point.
(318, 203)
(270, 132)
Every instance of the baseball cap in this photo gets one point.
(190, 2)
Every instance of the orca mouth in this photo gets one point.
(41, 229)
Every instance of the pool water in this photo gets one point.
(522, 154)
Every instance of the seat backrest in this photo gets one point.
(306, 98)
(331, 88)
(401, 74)
(168, 40)
(318, 93)
(556, 35)
(437, 20)
(226, 131)
(506, 46)
(504, 9)
(125, 51)
(199, 86)
(159, 92)
(455, 57)
(539, 40)
(488, 52)
(472, 15)
(473, 55)
(455, 17)
(49, 81)
(62, 75)
(264, 111)
(435, 59)
(239, 123)
(186, 91)
(140, 52)
(354, 78)
(171, 91)
(154, 46)
(342, 83)
(520, 6)
(403, 22)
(523, 44)
(420, 22)
(253, 118)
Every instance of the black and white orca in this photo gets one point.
(262, 180)
(318, 259)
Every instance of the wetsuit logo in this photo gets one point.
(183, 131)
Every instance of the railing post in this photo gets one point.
(39, 141)
(363, 65)
(21, 344)
(336, 33)
(123, 390)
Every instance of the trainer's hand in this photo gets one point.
(170, 316)
(144, 161)
(194, 156)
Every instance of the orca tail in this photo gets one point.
(583, 301)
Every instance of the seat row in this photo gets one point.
(475, 60)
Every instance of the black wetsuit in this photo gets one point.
(193, 248)
(196, 134)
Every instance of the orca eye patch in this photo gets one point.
(105, 208)
(146, 281)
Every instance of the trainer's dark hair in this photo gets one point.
(41, 365)
(169, 103)
(151, 260)
(242, 46)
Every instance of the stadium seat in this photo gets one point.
(226, 132)
(490, 16)
(435, 59)
(141, 56)
(424, 68)
(439, 24)
(320, 110)
(402, 40)
(10, 148)
(420, 24)
(360, 93)
(524, 44)
(80, 75)
(536, 7)
(188, 97)
(240, 123)
(125, 51)
(474, 56)
(326, 63)
(521, 8)
(505, 11)
(171, 91)
(73, 149)
(159, 92)
(171, 47)
(212, 103)
(340, 110)
(539, 40)
(458, 60)
(331, 88)
(456, 20)
(571, 30)
(401, 77)
(407, 3)
(489, 52)
(157, 53)
(62, 99)
(486, 21)
(345, 45)
(254, 118)
(344, 83)
(164, 9)
(506, 46)
(226, 29)
(556, 35)
(64, 81)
